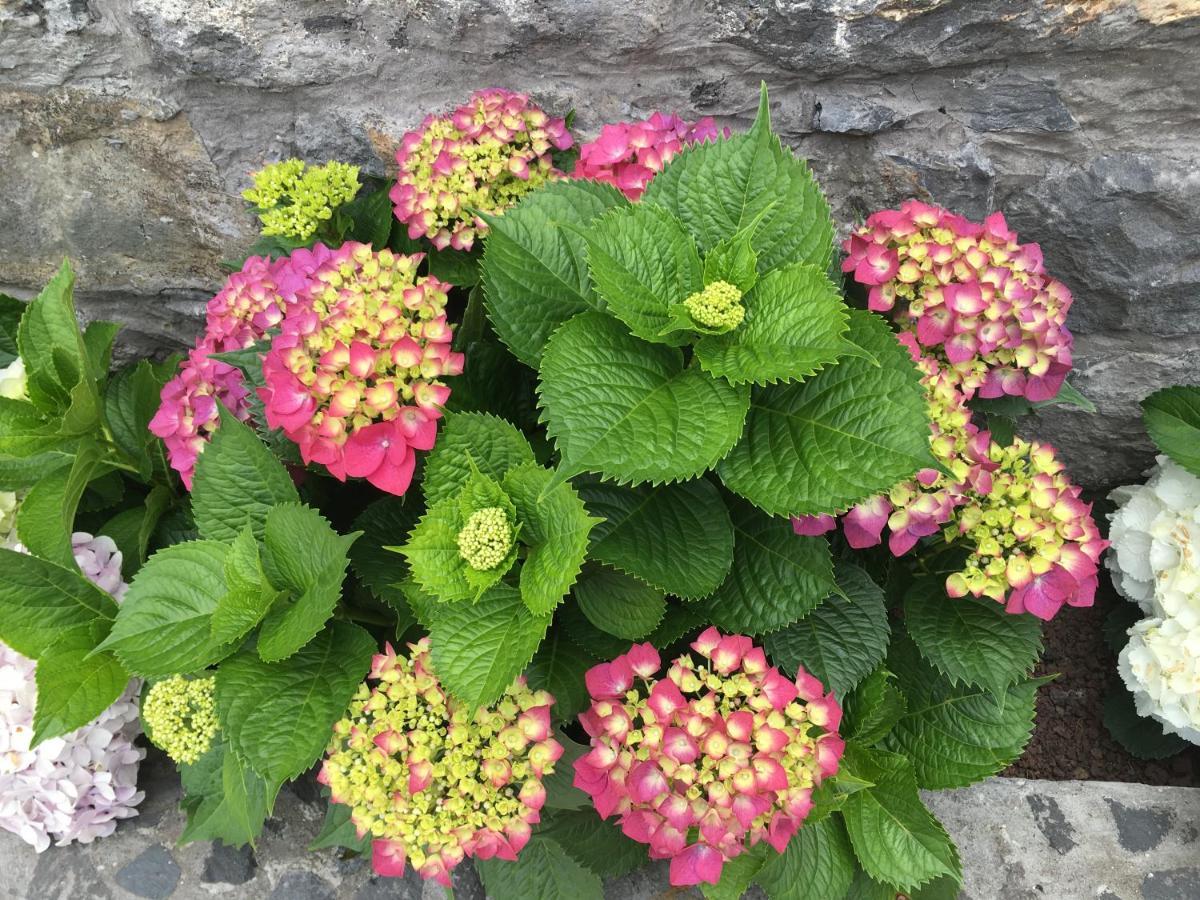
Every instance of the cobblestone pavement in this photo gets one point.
(1020, 840)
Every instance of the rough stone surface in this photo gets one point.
(1019, 840)
(127, 128)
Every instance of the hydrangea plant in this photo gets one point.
(451, 472)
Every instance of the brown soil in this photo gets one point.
(1069, 739)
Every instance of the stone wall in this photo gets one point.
(127, 128)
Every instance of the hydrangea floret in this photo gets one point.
(970, 294)
(432, 782)
(353, 377)
(486, 538)
(628, 154)
(481, 158)
(78, 786)
(181, 716)
(717, 308)
(1155, 560)
(13, 380)
(293, 199)
(702, 764)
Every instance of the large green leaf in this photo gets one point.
(11, 310)
(1172, 417)
(795, 323)
(469, 443)
(896, 839)
(642, 261)
(165, 623)
(534, 270)
(619, 604)
(956, 735)
(1142, 736)
(39, 600)
(73, 685)
(480, 648)
(130, 402)
(849, 432)
(306, 557)
(873, 708)
(969, 639)
(596, 843)
(554, 529)
(558, 667)
(385, 523)
(543, 871)
(278, 716)
(718, 188)
(250, 594)
(841, 640)
(630, 410)
(56, 360)
(818, 864)
(225, 800)
(677, 537)
(237, 482)
(339, 831)
(46, 516)
(777, 577)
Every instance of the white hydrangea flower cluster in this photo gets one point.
(76, 787)
(1155, 560)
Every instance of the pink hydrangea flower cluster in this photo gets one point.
(1033, 543)
(973, 297)
(76, 787)
(483, 157)
(433, 782)
(252, 302)
(353, 377)
(628, 154)
(720, 754)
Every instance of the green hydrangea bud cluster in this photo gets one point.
(718, 306)
(181, 716)
(485, 540)
(294, 199)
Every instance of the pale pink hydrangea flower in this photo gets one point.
(76, 787)
(628, 154)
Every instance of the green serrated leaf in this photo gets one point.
(969, 639)
(818, 864)
(597, 844)
(1172, 417)
(383, 524)
(278, 716)
(74, 686)
(849, 432)
(1142, 736)
(587, 637)
(11, 310)
(543, 871)
(55, 356)
(676, 537)
(1068, 395)
(777, 577)
(560, 791)
(306, 557)
(733, 261)
(130, 402)
(629, 410)
(469, 443)
(165, 622)
(339, 831)
(534, 270)
(896, 839)
(873, 708)
(39, 600)
(133, 528)
(46, 517)
(738, 873)
(250, 594)
(619, 604)
(841, 640)
(642, 261)
(558, 667)
(795, 325)
(554, 527)
(225, 800)
(718, 188)
(479, 649)
(954, 735)
(237, 482)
